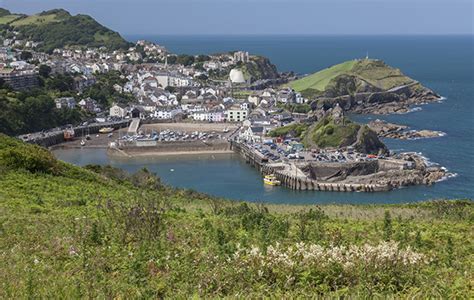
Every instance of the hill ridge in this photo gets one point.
(57, 28)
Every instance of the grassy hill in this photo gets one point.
(97, 232)
(350, 77)
(57, 28)
(326, 133)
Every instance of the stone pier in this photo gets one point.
(292, 177)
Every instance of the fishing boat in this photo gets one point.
(68, 134)
(271, 180)
(106, 130)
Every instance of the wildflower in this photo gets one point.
(72, 251)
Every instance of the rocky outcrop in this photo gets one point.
(368, 142)
(259, 67)
(332, 130)
(395, 131)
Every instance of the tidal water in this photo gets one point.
(442, 63)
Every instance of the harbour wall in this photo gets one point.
(48, 139)
(294, 180)
(150, 147)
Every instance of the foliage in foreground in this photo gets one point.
(71, 232)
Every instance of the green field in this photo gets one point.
(70, 232)
(8, 18)
(372, 72)
(321, 79)
(36, 20)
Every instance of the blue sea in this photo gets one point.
(442, 63)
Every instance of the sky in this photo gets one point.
(319, 17)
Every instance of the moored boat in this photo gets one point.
(68, 134)
(271, 180)
(106, 130)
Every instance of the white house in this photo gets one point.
(253, 134)
(216, 116)
(254, 99)
(199, 115)
(236, 114)
(118, 110)
(167, 113)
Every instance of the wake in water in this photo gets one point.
(414, 109)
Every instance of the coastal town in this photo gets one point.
(236, 149)
(221, 103)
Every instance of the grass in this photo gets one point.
(380, 75)
(36, 20)
(8, 18)
(321, 79)
(295, 130)
(373, 72)
(70, 232)
(326, 134)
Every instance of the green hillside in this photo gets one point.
(97, 232)
(327, 133)
(321, 79)
(8, 19)
(351, 76)
(57, 28)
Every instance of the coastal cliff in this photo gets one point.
(363, 86)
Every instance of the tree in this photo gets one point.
(184, 59)
(202, 77)
(202, 58)
(44, 71)
(172, 59)
(170, 89)
(60, 83)
(26, 55)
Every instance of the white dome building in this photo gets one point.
(236, 76)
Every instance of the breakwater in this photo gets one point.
(54, 137)
(150, 147)
(291, 176)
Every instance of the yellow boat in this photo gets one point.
(271, 180)
(106, 130)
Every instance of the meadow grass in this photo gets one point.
(98, 232)
(321, 79)
(374, 72)
(8, 18)
(36, 20)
